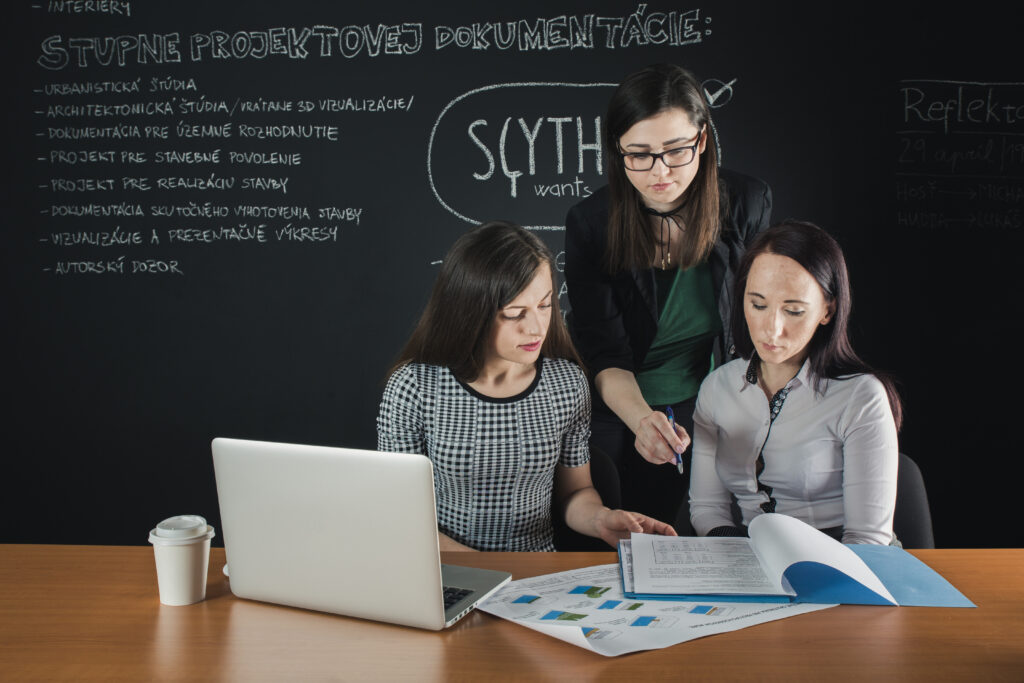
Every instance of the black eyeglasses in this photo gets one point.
(673, 158)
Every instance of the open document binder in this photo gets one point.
(784, 560)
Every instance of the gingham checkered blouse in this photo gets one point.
(494, 458)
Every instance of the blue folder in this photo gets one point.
(910, 581)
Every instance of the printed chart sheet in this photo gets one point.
(586, 607)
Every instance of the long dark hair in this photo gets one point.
(483, 271)
(830, 353)
(631, 241)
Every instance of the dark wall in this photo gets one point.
(216, 228)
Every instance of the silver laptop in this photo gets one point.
(340, 530)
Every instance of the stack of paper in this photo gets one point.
(667, 590)
(586, 607)
(784, 560)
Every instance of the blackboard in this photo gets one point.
(222, 219)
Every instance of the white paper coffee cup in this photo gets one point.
(181, 546)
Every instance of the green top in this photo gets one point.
(680, 355)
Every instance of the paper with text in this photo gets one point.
(783, 558)
(692, 565)
(587, 607)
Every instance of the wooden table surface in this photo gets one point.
(93, 613)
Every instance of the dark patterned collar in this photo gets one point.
(750, 377)
(752, 369)
(776, 402)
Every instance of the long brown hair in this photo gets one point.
(482, 273)
(831, 354)
(631, 241)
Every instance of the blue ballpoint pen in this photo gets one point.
(672, 422)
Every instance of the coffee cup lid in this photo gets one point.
(182, 528)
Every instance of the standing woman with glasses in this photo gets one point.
(649, 266)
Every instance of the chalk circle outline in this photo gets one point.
(486, 88)
(720, 87)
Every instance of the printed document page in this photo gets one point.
(780, 548)
(689, 565)
(587, 608)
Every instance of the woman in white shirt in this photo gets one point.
(798, 424)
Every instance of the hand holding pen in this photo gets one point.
(660, 441)
(672, 423)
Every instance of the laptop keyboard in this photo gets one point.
(452, 595)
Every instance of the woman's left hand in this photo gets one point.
(615, 525)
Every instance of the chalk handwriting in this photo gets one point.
(587, 31)
(578, 32)
(486, 135)
(576, 188)
(118, 266)
(364, 104)
(587, 142)
(205, 106)
(306, 233)
(114, 238)
(101, 267)
(187, 157)
(58, 52)
(184, 129)
(95, 156)
(300, 43)
(122, 209)
(113, 7)
(214, 182)
(960, 156)
(171, 83)
(124, 131)
(153, 108)
(285, 212)
(92, 87)
(82, 184)
(242, 232)
(334, 213)
(286, 131)
(155, 48)
(266, 158)
(962, 105)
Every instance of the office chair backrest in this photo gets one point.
(912, 521)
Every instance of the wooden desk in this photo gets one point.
(93, 613)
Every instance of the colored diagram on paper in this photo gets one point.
(556, 615)
(591, 600)
(654, 622)
(716, 611)
(594, 633)
(620, 605)
(707, 610)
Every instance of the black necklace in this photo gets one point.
(666, 232)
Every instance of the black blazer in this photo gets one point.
(614, 318)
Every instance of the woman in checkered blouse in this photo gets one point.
(490, 388)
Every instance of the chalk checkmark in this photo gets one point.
(718, 93)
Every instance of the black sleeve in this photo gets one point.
(757, 210)
(750, 204)
(595, 320)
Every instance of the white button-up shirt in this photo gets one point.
(831, 458)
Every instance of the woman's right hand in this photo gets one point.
(657, 442)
